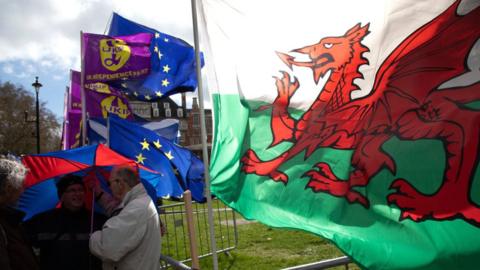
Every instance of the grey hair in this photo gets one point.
(128, 174)
(12, 175)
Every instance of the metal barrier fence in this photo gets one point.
(325, 264)
(175, 242)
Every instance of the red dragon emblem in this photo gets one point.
(411, 100)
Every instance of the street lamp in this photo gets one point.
(37, 86)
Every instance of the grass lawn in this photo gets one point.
(259, 247)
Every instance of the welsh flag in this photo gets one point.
(358, 121)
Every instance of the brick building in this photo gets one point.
(194, 131)
(189, 119)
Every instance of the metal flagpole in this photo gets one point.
(84, 128)
(108, 131)
(82, 91)
(204, 136)
(67, 105)
(67, 90)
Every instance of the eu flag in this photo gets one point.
(172, 63)
(167, 128)
(128, 142)
(158, 153)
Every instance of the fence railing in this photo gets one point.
(175, 242)
(325, 264)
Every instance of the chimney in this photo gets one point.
(184, 101)
(194, 103)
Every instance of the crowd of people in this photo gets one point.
(71, 237)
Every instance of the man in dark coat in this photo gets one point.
(15, 251)
(62, 234)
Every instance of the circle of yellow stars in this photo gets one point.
(146, 146)
(165, 69)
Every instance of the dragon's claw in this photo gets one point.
(251, 164)
(325, 181)
(280, 177)
(414, 205)
(417, 206)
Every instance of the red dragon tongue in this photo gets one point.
(317, 73)
(287, 59)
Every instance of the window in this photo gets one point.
(209, 126)
(155, 105)
(180, 112)
(168, 112)
(156, 113)
(183, 125)
(142, 109)
(196, 119)
(166, 105)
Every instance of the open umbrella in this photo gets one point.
(45, 169)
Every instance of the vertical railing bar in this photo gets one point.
(185, 246)
(206, 226)
(166, 231)
(175, 230)
(220, 223)
(235, 227)
(228, 227)
(200, 242)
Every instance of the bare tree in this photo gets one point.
(17, 136)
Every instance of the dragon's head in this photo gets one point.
(332, 53)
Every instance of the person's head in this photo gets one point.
(12, 174)
(71, 192)
(122, 180)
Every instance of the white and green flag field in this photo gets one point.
(358, 121)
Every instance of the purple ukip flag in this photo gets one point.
(75, 94)
(103, 100)
(72, 114)
(107, 58)
(72, 129)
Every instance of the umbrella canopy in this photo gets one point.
(45, 169)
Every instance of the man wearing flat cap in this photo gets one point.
(61, 235)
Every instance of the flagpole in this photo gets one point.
(69, 100)
(204, 136)
(108, 24)
(108, 131)
(67, 106)
(82, 91)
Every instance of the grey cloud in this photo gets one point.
(36, 24)
(32, 30)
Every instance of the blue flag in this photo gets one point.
(157, 153)
(128, 142)
(172, 63)
(168, 128)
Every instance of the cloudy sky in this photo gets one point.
(41, 38)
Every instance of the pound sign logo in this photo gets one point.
(114, 53)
